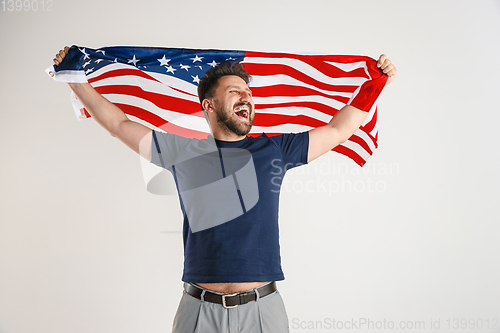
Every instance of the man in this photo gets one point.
(231, 251)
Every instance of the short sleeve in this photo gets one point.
(294, 147)
(165, 148)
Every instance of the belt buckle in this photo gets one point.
(224, 301)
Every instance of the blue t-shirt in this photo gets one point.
(229, 197)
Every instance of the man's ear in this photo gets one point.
(208, 105)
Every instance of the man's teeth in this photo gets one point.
(242, 111)
(240, 108)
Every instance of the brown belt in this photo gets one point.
(230, 300)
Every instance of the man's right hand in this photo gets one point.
(136, 136)
(60, 56)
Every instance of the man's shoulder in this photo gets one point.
(285, 137)
(182, 140)
(281, 142)
(266, 136)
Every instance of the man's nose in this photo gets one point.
(245, 96)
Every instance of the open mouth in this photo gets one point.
(242, 111)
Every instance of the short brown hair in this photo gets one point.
(208, 83)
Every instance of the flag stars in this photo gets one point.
(196, 79)
(87, 63)
(230, 58)
(89, 70)
(99, 60)
(86, 54)
(171, 69)
(213, 63)
(133, 61)
(164, 61)
(186, 67)
(103, 52)
(196, 58)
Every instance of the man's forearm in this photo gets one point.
(346, 121)
(103, 111)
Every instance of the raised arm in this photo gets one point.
(136, 136)
(345, 122)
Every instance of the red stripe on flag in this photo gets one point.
(368, 94)
(318, 60)
(351, 154)
(165, 102)
(311, 105)
(278, 119)
(121, 72)
(361, 142)
(266, 70)
(288, 90)
(160, 122)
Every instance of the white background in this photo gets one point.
(413, 236)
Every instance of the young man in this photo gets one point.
(227, 188)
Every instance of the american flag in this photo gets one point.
(292, 92)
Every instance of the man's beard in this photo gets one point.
(229, 124)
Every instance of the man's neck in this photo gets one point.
(227, 136)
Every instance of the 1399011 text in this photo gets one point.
(27, 5)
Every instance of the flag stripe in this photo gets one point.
(305, 73)
(283, 90)
(159, 122)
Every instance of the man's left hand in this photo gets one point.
(387, 68)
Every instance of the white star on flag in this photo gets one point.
(196, 58)
(89, 70)
(171, 69)
(186, 67)
(213, 63)
(195, 79)
(103, 52)
(164, 61)
(134, 60)
(87, 63)
(86, 54)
